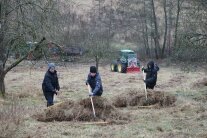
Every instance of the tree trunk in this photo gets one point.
(146, 32)
(97, 63)
(2, 84)
(145, 43)
(156, 53)
(109, 35)
(151, 35)
(2, 48)
(166, 22)
(156, 33)
(170, 28)
(177, 22)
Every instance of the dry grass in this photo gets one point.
(82, 111)
(186, 119)
(138, 98)
(120, 101)
(11, 115)
(201, 83)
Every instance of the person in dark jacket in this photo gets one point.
(94, 80)
(50, 84)
(151, 75)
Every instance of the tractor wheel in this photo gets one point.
(113, 66)
(121, 68)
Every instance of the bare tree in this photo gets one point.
(156, 35)
(100, 32)
(16, 27)
(179, 2)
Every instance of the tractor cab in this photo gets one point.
(124, 54)
(126, 63)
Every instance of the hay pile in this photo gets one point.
(200, 83)
(120, 101)
(81, 111)
(138, 99)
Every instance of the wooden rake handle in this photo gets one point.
(89, 90)
(145, 89)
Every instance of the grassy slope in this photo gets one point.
(186, 119)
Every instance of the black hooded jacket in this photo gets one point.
(151, 74)
(50, 82)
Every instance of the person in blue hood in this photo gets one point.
(50, 84)
(151, 75)
(94, 80)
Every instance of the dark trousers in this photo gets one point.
(150, 86)
(98, 94)
(49, 96)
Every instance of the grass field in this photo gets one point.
(187, 118)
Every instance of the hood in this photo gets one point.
(150, 65)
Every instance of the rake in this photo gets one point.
(89, 90)
(145, 89)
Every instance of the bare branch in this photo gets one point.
(24, 57)
(22, 4)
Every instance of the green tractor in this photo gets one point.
(126, 63)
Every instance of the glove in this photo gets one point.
(142, 68)
(55, 92)
(91, 94)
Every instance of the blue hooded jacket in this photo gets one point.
(96, 84)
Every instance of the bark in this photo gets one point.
(2, 84)
(146, 33)
(169, 43)
(177, 22)
(156, 33)
(166, 28)
(97, 63)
